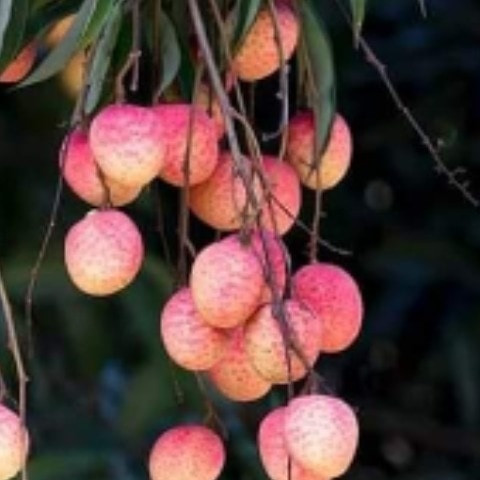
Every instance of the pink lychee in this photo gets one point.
(273, 450)
(334, 296)
(20, 66)
(265, 343)
(335, 161)
(83, 176)
(187, 452)
(14, 443)
(103, 252)
(321, 433)
(203, 147)
(128, 143)
(258, 55)
(188, 339)
(234, 375)
(226, 282)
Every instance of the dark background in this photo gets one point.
(101, 389)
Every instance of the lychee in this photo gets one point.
(266, 347)
(189, 341)
(226, 282)
(334, 162)
(273, 450)
(14, 443)
(128, 143)
(203, 148)
(187, 452)
(321, 433)
(334, 296)
(83, 176)
(258, 55)
(103, 252)
(20, 66)
(234, 375)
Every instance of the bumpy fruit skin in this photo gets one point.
(19, 68)
(220, 200)
(273, 449)
(207, 101)
(204, 147)
(226, 282)
(103, 252)
(14, 443)
(265, 346)
(258, 55)
(189, 341)
(336, 299)
(234, 375)
(286, 192)
(82, 175)
(129, 143)
(321, 433)
(335, 160)
(187, 452)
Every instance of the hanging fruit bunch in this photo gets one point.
(240, 318)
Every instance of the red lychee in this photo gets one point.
(128, 143)
(334, 162)
(336, 299)
(187, 452)
(103, 252)
(19, 67)
(203, 148)
(321, 433)
(234, 375)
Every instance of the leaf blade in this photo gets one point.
(358, 8)
(14, 32)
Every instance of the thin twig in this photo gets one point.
(423, 8)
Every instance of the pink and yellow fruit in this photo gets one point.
(14, 443)
(226, 282)
(203, 147)
(103, 252)
(266, 347)
(188, 339)
(258, 55)
(334, 162)
(57, 33)
(187, 452)
(129, 143)
(234, 375)
(321, 433)
(273, 450)
(334, 296)
(20, 66)
(83, 176)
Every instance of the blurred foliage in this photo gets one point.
(101, 388)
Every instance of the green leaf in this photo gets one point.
(103, 11)
(358, 8)
(319, 57)
(5, 11)
(244, 14)
(64, 51)
(13, 34)
(102, 57)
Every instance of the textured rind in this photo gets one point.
(220, 200)
(273, 450)
(203, 150)
(188, 339)
(129, 143)
(187, 452)
(82, 175)
(19, 67)
(336, 159)
(321, 433)
(258, 55)
(234, 375)
(285, 189)
(334, 296)
(103, 252)
(226, 282)
(208, 102)
(265, 346)
(14, 443)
